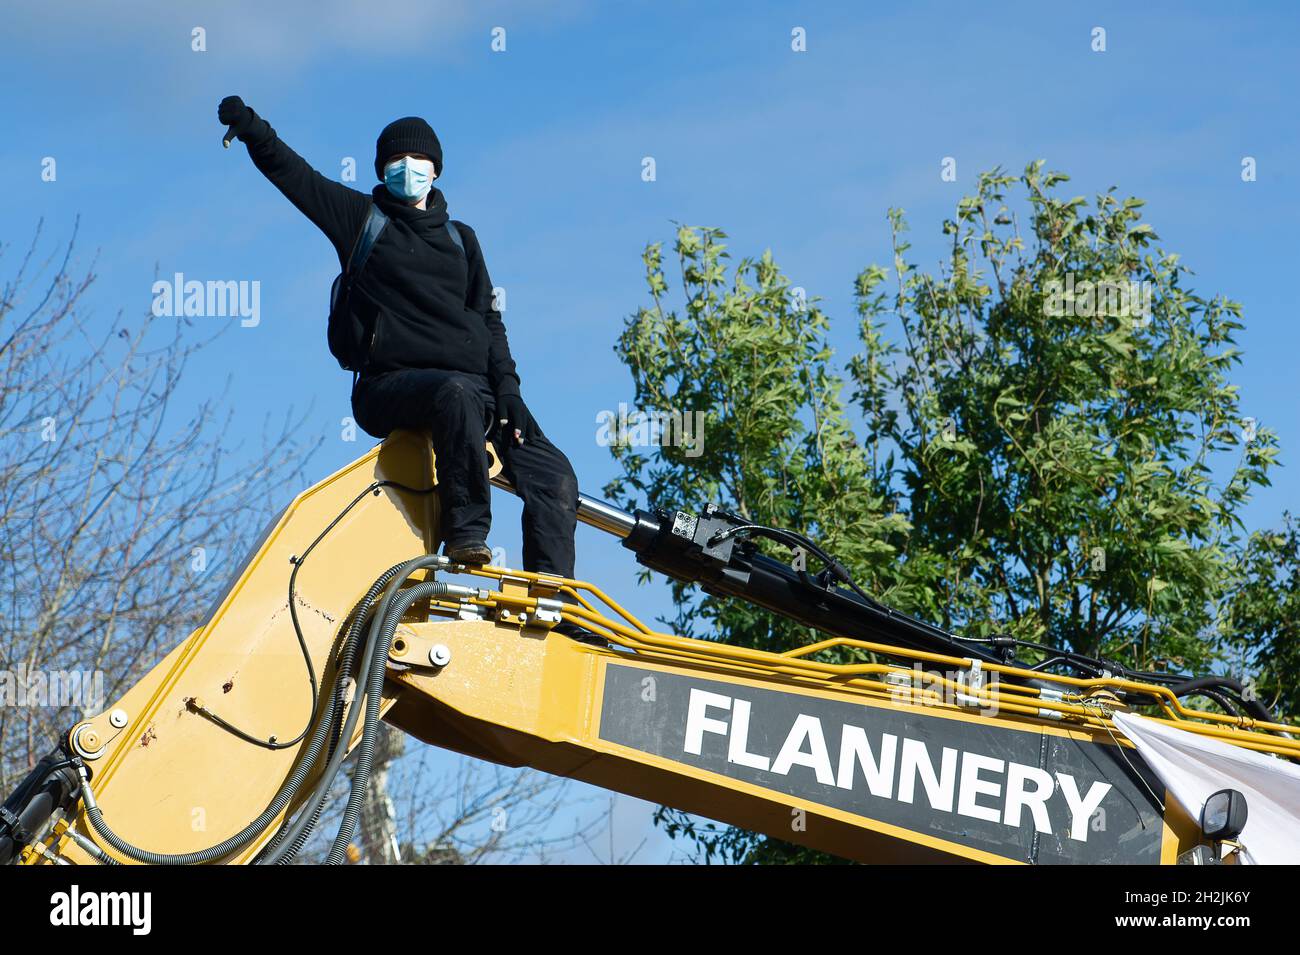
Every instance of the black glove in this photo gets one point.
(233, 113)
(512, 414)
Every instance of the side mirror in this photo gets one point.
(1224, 815)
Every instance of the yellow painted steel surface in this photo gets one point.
(171, 780)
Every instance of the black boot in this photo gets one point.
(470, 552)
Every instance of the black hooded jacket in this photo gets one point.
(432, 305)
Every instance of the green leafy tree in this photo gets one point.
(1261, 621)
(1050, 445)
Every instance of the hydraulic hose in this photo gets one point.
(300, 830)
(386, 622)
(297, 831)
(91, 848)
(1208, 684)
(302, 825)
(299, 774)
(347, 661)
(273, 742)
(224, 848)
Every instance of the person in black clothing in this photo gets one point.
(439, 359)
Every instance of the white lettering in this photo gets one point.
(792, 753)
(972, 787)
(1019, 798)
(736, 745)
(74, 907)
(854, 748)
(697, 723)
(916, 762)
(1081, 810)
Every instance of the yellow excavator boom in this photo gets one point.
(874, 750)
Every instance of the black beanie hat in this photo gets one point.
(407, 135)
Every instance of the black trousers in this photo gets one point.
(457, 410)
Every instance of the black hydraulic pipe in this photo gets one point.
(779, 588)
(30, 807)
(783, 590)
(1252, 706)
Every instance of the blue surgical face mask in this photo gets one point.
(408, 178)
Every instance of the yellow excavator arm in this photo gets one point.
(889, 741)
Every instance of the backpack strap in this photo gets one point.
(455, 237)
(370, 232)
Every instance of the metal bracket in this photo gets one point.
(549, 612)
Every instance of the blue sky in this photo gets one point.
(543, 144)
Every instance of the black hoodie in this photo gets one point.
(432, 305)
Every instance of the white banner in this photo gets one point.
(1194, 767)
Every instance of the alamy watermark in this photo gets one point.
(33, 687)
(975, 688)
(1085, 298)
(651, 429)
(212, 299)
